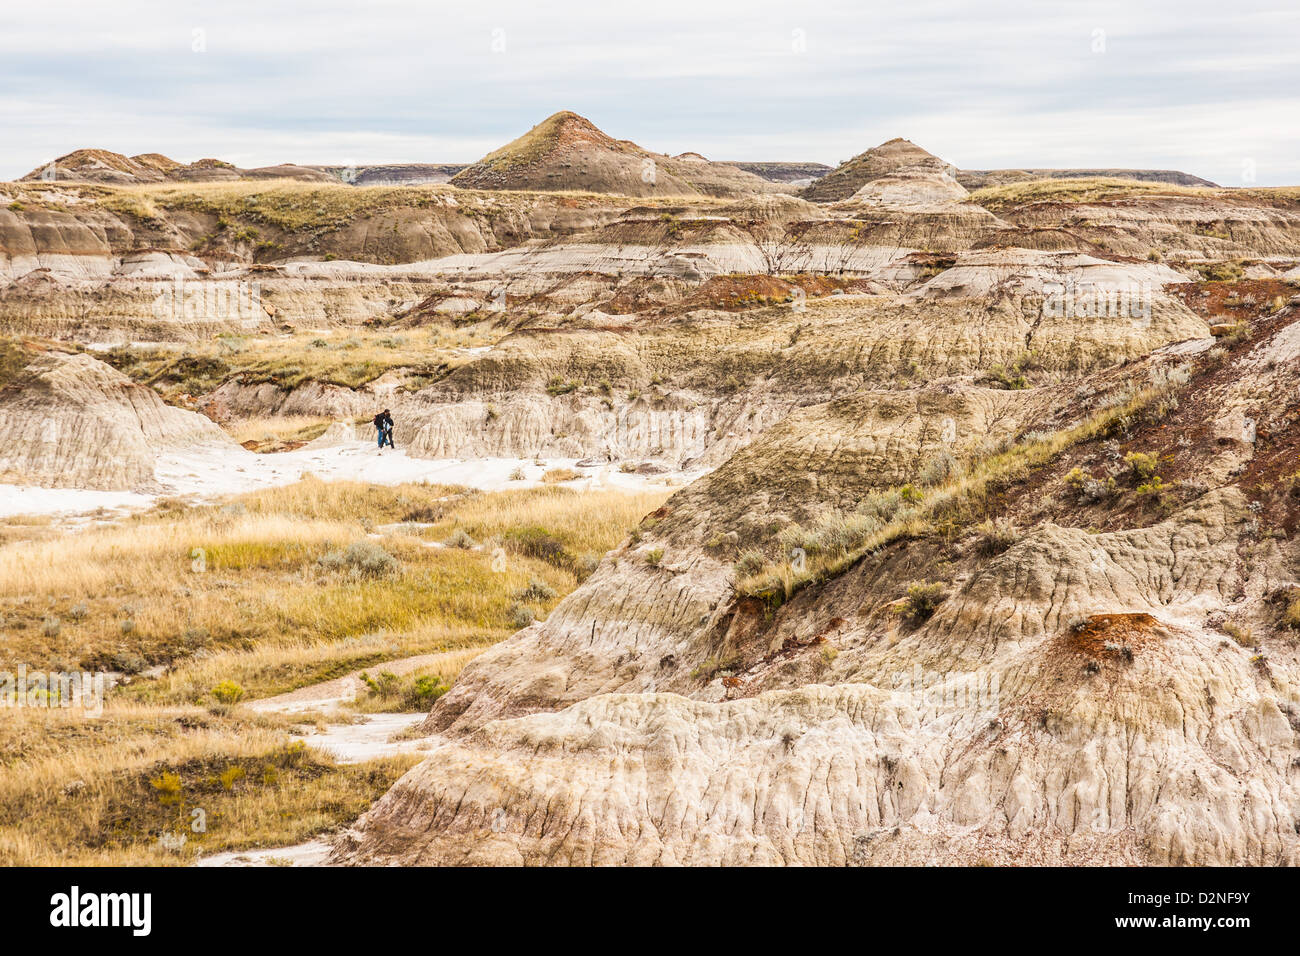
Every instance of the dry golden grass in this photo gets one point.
(260, 590)
(314, 499)
(555, 476)
(18, 528)
(584, 521)
(258, 610)
(277, 430)
(79, 791)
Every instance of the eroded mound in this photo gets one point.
(70, 421)
(887, 159)
(567, 152)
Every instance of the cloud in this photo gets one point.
(1192, 85)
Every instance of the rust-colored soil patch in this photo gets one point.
(1222, 303)
(1106, 635)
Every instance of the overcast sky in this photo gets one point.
(1206, 86)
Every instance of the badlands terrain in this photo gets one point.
(740, 512)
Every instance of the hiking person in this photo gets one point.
(384, 428)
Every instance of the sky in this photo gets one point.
(1211, 88)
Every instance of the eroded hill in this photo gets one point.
(567, 152)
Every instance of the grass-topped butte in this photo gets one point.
(1103, 189)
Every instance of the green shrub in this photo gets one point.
(921, 602)
(1090, 489)
(750, 562)
(537, 590)
(227, 692)
(424, 691)
(1292, 616)
(535, 541)
(1153, 487)
(361, 559)
(558, 386)
(385, 685)
(1012, 375)
(415, 694)
(460, 539)
(1221, 271)
(1141, 465)
(940, 468)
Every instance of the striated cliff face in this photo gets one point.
(89, 262)
(69, 421)
(84, 231)
(94, 266)
(692, 390)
